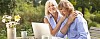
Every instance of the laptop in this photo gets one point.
(40, 30)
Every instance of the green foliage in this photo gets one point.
(7, 6)
(97, 18)
(82, 3)
(92, 19)
(96, 4)
(80, 9)
(28, 14)
(58, 1)
(3, 37)
(73, 2)
(87, 15)
(44, 1)
(94, 24)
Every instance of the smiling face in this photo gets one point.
(52, 8)
(65, 8)
(64, 11)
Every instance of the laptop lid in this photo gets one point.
(40, 29)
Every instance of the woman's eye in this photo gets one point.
(52, 5)
(48, 6)
(60, 9)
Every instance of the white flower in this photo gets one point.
(7, 25)
(10, 21)
(9, 17)
(4, 16)
(3, 20)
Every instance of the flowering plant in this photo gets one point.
(11, 21)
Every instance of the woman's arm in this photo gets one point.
(68, 23)
(56, 29)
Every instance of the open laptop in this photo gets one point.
(41, 29)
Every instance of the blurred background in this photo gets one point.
(33, 11)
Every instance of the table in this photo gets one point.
(28, 37)
(32, 37)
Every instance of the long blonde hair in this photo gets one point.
(47, 4)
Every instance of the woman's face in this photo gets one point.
(64, 12)
(52, 8)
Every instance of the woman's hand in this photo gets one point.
(78, 12)
(62, 19)
(71, 17)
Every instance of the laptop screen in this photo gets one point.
(40, 29)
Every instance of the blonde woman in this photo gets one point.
(79, 28)
(55, 19)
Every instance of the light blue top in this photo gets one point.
(77, 30)
(53, 24)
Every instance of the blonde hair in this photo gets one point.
(66, 5)
(47, 4)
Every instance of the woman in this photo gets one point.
(78, 29)
(55, 19)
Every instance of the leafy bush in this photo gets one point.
(28, 14)
(87, 16)
(97, 18)
(80, 9)
(92, 16)
(94, 24)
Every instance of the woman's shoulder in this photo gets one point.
(78, 12)
(48, 16)
(80, 18)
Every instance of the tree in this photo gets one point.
(95, 5)
(7, 6)
(83, 4)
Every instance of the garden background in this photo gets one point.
(33, 11)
